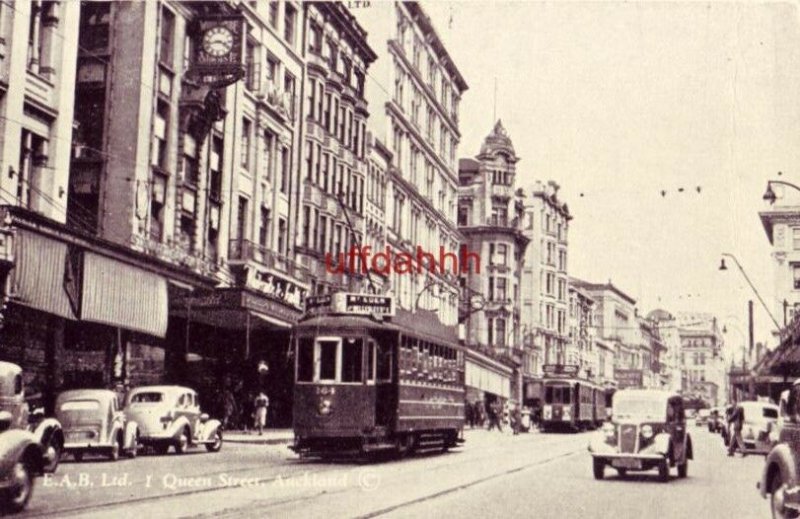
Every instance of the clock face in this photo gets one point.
(218, 41)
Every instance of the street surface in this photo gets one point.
(542, 475)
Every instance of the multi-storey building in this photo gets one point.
(177, 182)
(667, 326)
(379, 162)
(702, 362)
(414, 106)
(781, 223)
(651, 350)
(616, 324)
(490, 213)
(581, 350)
(335, 167)
(545, 283)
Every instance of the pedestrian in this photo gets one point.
(516, 419)
(736, 422)
(494, 417)
(261, 404)
(469, 412)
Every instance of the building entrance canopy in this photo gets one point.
(487, 375)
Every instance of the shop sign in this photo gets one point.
(351, 304)
(276, 287)
(560, 370)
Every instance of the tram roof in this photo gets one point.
(422, 323)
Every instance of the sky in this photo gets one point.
(619, 101)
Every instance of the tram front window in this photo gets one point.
(351, 360)
(305, 360)
(557, 395)
(327, 359)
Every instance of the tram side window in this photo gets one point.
(327, 360)
(305, 360)
(557, 395)
(371, 361)
(351, 359)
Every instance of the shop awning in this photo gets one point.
(37, 279)
(486, 379)
(118, 294)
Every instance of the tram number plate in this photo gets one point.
(627, 463)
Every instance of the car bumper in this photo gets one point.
(72, 446)
(612, 456)
(156, 436)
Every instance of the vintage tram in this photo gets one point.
(570, 403)
(368, 384)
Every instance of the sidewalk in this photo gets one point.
(286, 436)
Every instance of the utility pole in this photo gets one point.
(751, 388)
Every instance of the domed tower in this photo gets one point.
(490, 216)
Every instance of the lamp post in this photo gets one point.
(723, 266)
(769, 194)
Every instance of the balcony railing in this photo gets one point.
(246, 250)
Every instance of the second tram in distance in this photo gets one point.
(571, 403)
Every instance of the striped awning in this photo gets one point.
(118, 294)
(37, 279)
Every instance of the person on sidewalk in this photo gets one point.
(516, 419)
(494, 417)
(736, 423)
(261, 404)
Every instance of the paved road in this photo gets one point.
(546, 475)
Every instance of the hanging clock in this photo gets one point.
(217, 41)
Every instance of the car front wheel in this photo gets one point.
(598, 468)
(17, 497)
(183, 442)
(217, 444)
(777, 495)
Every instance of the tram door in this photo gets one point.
(385, 389)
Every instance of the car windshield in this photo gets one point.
(80, 405)
(638, 408)
(770, 413)
(149, 397)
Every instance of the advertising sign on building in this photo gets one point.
(352, 304)
(628, 378)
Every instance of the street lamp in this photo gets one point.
(769, 194)
(723, 266)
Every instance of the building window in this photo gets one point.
(273, 14)
(306, 226)
(263, 230)
(32, 164)
(190, 165)
(315, 39)
(796, 272)
(289, 20)
(241, 219)
(463, 216)
(167, 36)
(160, 125)
(500, 256)
(157, 200)
(500, 332)
(286, 163)
(282, 242)
(247, 128)
(252, 73)
(94, 26)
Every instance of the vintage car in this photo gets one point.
(46, 431)
(760, 420)
(647, 431)
(21, 459)
(93, 422)
(780, 478)
(170, 416)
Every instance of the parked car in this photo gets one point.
(170, 416)
(716, 420)
(93, 422)
(779, 478)
(702, 417)
(21, 460)
(46, 431)
(648, 431)
(760, 419)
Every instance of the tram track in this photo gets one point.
(291, 468)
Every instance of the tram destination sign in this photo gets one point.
(560, 370)
(350, 304)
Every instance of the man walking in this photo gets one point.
(261, 405)
(736, 422)
(494, 417)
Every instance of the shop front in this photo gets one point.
(488, 383)
(79, 311)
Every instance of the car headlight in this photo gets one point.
(609, 430)
(567, 413)
(647, 432)
(325, 407)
